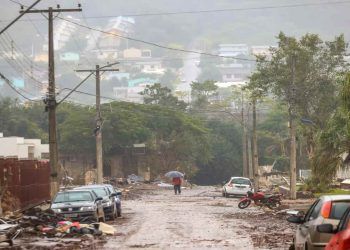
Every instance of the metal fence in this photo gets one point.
(26, 180)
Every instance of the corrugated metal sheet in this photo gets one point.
(27, 180)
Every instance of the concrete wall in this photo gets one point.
(9, 146)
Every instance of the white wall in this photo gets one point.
(19, 147)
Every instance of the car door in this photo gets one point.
(303, 231)
(339, 240)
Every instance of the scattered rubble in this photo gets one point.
(277, 234)
(45, 224)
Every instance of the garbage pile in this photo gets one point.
(45, 223)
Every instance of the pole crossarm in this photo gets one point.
(52, 10)
(17, 18)
(94, 70)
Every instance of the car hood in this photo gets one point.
(72, 204)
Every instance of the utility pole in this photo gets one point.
(249, 147)
(50, 101)
(293, 150)
(255, 149)
(98, 129)
(244, 143)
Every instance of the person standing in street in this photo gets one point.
(177, 185)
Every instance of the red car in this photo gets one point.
(341, 239)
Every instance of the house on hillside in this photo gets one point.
(131, 93)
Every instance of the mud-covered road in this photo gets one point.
(199, 218)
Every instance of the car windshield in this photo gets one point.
(73, 196)
(240, 181)
(338, 209)
(100, 192)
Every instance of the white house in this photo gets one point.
(233, 49)
(21, 148)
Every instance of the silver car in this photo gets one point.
(109, 202)
(327, 209)
(78, 205)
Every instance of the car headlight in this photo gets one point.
(56, 210)
(87, 208)
(107, 204)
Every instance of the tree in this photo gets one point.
(203, 92)
(303, 74)
(156, 94)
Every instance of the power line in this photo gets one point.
(210, 11)
(75, 88)
(9, 83)
(20, 68)
(155, 44)
(226, 10)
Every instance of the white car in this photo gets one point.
(238, 186)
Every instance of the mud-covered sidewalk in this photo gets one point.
(199, 218)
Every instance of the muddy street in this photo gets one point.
(199, 218)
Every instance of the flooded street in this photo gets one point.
(199, 218)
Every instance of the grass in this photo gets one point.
(333, 192)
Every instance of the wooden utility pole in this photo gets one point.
(98, 129)
(244, 143)
(255, 150)
(293, 149)
(51, 97)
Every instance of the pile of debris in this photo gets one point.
(45, 223)
(277, 234)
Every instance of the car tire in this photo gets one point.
(96, 219)
(103, 219)
(119, 211)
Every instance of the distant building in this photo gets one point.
(21, 148)
(261, 50)
(137, 53)
(64, 32)
(131, 93)
(122, 26)
(235, 72)
(233, 49)
(69, 57)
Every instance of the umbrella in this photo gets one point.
(174, 174)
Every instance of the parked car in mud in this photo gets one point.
(341, 238)
(237, 186)
(116, 196)
(109, 202)
(78, 205)
(326, 210)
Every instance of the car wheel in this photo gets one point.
(119, 211)
(96, 219)
(103, 219)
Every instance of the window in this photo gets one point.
(240, 181)
(73, 196)
(316, 211)
(338, 209)
(311, 209)
(344, 221)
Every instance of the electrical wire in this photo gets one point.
(9, 83)
(75, 88)
(155, 44)
(210, 11)
(17, 64)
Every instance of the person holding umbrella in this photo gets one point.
(176, 179)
